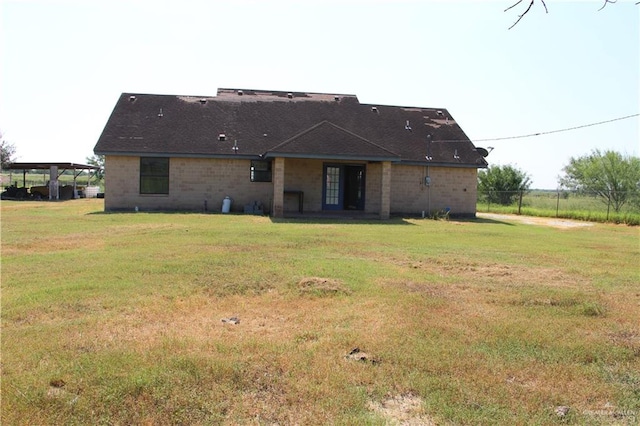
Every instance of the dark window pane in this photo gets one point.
(154, 175)
(260, 171)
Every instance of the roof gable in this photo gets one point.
(328, 140)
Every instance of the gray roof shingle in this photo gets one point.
(294, 124)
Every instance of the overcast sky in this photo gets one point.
(65, 63)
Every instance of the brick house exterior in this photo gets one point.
(287, 152)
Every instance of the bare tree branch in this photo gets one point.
(525, 12)
(547, 10)
(529, 8)
(608, 1)
(545, 6)
(513, 5)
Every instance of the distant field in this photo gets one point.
(118, 319)
(567, 204)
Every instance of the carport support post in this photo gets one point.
(53, 182)
(385, 191)
(278, 187)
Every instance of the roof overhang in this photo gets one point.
(47, 166)
(444, 164)
(268, 155)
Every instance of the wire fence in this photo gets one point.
(607, 206)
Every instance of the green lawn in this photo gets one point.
(117, 319)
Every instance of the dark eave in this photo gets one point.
(47, 166)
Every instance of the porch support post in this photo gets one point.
(278, 187)
(385, 191)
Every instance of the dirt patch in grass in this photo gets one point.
(322, 286)
(534, 220)
(402, 410)
(198, 320)
(627, 338)
(52, 244)
(497, 273)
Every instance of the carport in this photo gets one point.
(55, 171)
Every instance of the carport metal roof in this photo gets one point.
(47, 166)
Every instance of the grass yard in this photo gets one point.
(118, 319)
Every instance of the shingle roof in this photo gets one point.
(294, 124)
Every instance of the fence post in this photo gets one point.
(608, 205)
(558, 203)
(520, 202)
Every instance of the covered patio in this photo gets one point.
(55, 171)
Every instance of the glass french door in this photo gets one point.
(343, 187)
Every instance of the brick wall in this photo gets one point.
(455, 188)
(192, 181)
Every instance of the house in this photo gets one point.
(287, 153)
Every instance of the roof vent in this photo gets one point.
(407, 126)
(374, 109)
(240, 93)
(455, 155)
(160, 114)
(289, 95)
(203, 101)
(439, 113)
(132, 98)
(222, 137)
(235, 147)
(336, 98)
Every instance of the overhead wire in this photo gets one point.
(559, 130)
(567, 129)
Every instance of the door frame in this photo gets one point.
(338, 191)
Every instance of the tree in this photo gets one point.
(502, 184)
(97, 160)
(7, 152)
(613, 177)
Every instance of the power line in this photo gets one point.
(558, 130)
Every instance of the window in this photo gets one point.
(154, 175)
(260, 171)
(332, 186)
